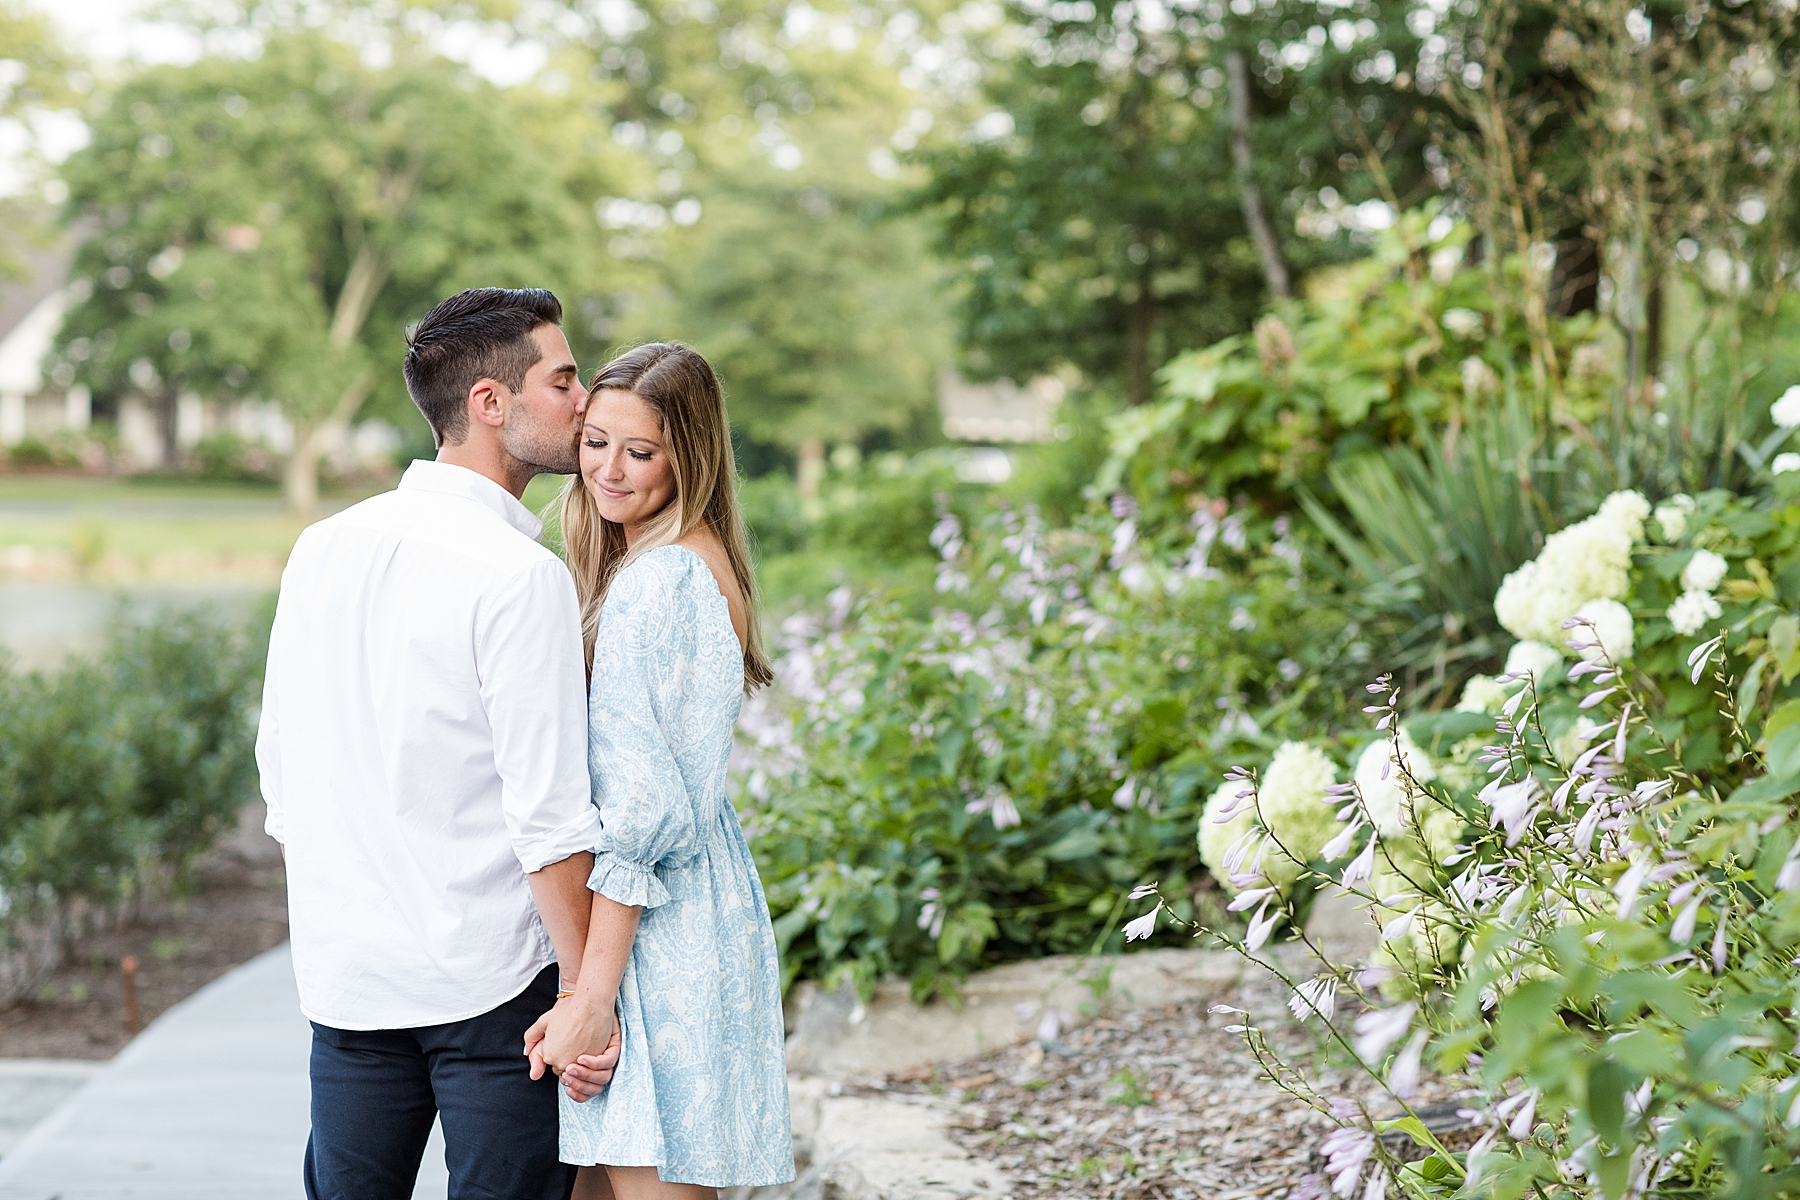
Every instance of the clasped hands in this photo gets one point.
(578, 1042)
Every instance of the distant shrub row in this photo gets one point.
(116, 772)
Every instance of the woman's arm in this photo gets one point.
(585, 1020)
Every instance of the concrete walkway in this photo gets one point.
(209, 1103)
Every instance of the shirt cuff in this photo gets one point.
(626, 882)
(537, 851)
(274, 825)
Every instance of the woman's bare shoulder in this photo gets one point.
(706, 544)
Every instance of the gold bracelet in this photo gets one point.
(564, 995)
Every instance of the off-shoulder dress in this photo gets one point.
(700, 1092)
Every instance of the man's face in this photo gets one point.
(543, 420)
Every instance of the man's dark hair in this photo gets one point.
(481, 333)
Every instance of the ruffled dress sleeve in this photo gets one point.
(644, 656)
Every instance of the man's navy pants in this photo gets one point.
(375, 1092)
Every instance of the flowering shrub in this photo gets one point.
(1587, 883)
(929, 795)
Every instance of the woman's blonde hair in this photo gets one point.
(679, 386)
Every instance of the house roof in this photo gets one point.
(47, 270)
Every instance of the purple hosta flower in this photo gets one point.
(1718, 947)
(1361, 868)
(1380, 1028)
(1312, 1186)
(1143, 926)
(1339, 846)
(1626, 890)
(1682, 931)
(1315, 995)
(1249, 898)
(1400, 926)
(1697, 660)
(1584, 828)
(1142, 890)
(1517, 1111)
(1403, 1076)
(1789, 878)
(1377, 1185)
(1000, 805)
(1512, 806)
(1052, 1024)
(931, 917)
(1262, 925)
(1345, 1151)
(1126, 795)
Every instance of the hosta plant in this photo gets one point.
(1606, 952)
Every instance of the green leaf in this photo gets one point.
(1435, 1168)
(1615, 1174)
(1784, 752)
(1784, 645)
(1412, 1127)
(1606, 1084)
(1785, 716)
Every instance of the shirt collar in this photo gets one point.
(426, 475)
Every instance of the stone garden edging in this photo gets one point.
(856, 1142)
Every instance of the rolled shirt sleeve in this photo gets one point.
(529, 659)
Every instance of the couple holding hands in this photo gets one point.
(499, 781)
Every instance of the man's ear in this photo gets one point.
(487, 402)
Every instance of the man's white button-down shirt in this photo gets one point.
(423, 746)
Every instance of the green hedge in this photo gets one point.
(116, 772)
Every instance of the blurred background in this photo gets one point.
(1116, 383)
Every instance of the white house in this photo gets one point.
(31, 311)
(34, 406)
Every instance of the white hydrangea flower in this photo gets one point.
(1386, 798)
(1589, 560)
(1704, 572)
(1293, 800)
(1785, 412)
(1483, 694)
(1533, 659)
(1215, 837)
(1692, 610)
(1672, 515)
(1785, 462)
(1628, 510)
(1612, 624)
(1461, 321)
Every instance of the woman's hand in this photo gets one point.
(577, 1025)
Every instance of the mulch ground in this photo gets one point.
(1158, 1103)
(237, 910)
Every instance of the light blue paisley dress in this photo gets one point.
(700, 1091)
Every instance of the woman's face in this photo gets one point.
(623, 461)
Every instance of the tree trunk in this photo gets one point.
(300, 474)
(167, 413)
(1653, 334)
(1143, 314)
(810, 471)
(1268, 250)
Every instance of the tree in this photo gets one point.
(39, 75)
(1134, 188)
(267, 226)
(763, 215)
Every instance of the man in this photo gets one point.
(423, 751)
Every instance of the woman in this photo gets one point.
(680, 944)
